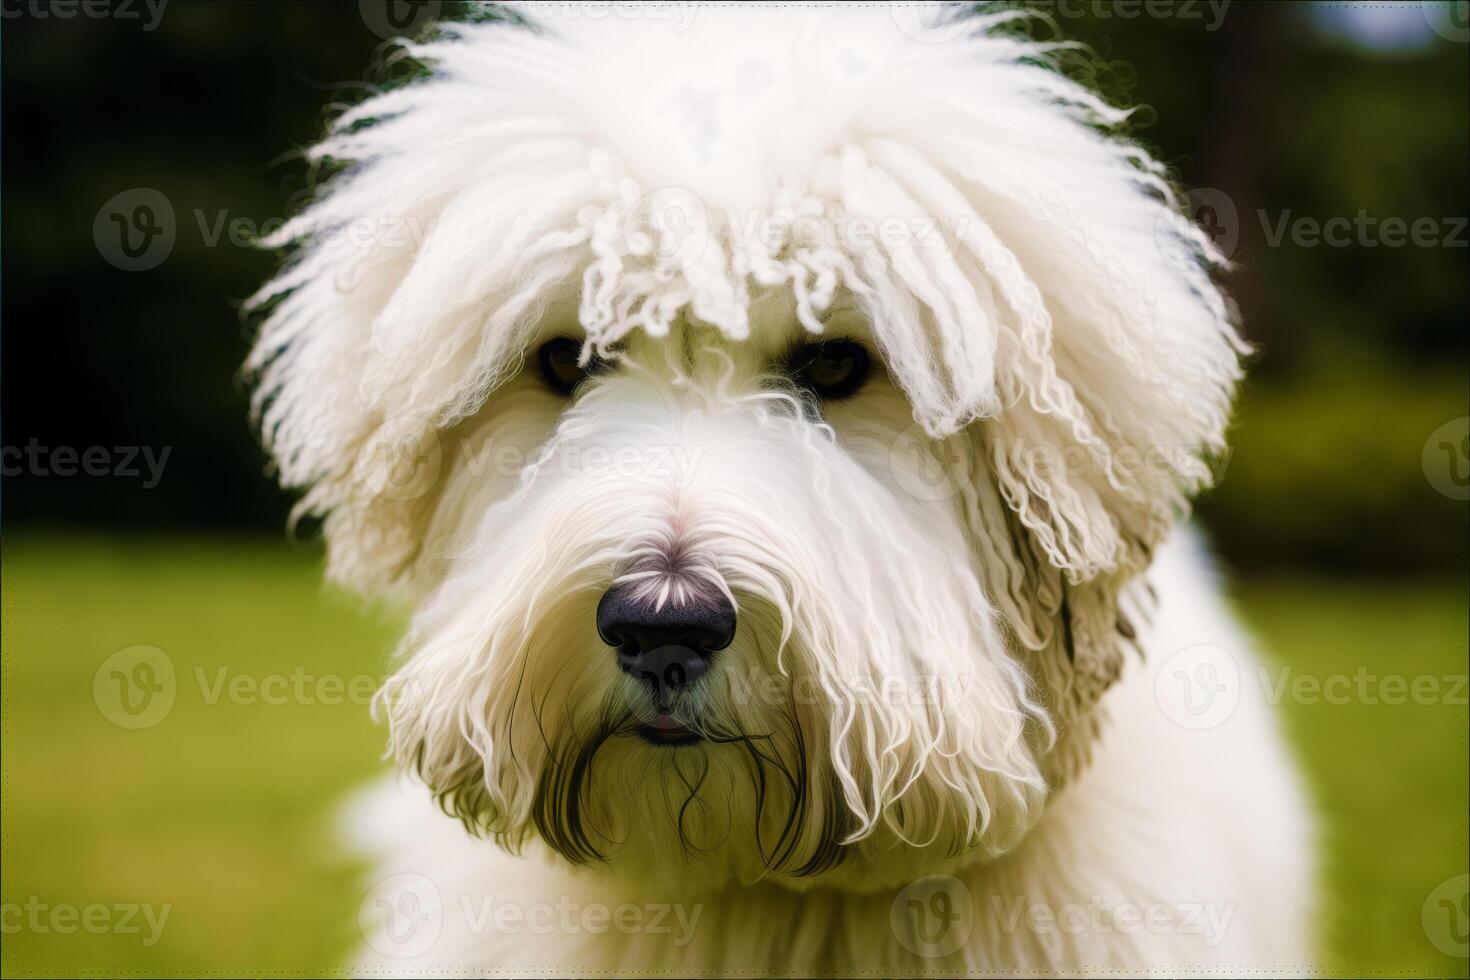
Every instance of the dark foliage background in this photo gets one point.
(1289, 110)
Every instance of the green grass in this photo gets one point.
(220, 810)
(1390, 780)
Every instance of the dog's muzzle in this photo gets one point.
(668, 648)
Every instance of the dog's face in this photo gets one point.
(716, 604)
(803, 552)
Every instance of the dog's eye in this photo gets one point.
(558, 361)
(832, 369)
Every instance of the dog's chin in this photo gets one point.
(683, 797)
(679, 793)
(670, 809)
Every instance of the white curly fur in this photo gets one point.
(1054, 369)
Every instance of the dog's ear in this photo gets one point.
(1072, 629)
(1115, 368)
(1058, 315)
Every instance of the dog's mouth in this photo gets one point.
(666, 731)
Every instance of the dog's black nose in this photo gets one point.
(668, 647)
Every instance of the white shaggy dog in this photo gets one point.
(776, 416)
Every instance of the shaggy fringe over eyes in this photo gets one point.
(1046, 278)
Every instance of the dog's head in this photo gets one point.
(770, 418)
